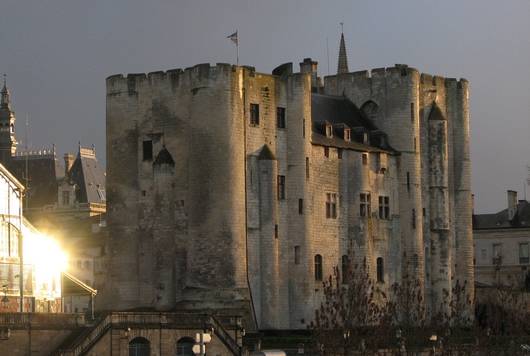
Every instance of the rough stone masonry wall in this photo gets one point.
(361, 238)
(395, 92)
(404, 103)
(195, 115)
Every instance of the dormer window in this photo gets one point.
(329, 131)
(347, 135)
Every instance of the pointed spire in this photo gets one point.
(4, 102)
(343, 58)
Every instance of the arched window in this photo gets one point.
(139, 346)
(345, 269)
(380, 270)
(185, 346)
(318, 267)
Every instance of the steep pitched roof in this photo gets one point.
(338, 110)
(342, 66)
(89, 176)
(43, 174)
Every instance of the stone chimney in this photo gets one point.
(311, 66)
(512, 203)
(68, 162)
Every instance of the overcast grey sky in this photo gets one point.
(57, 54)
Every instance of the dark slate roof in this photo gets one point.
(43, 172)
(342, 113)
(164, 157)
(337, 110)
(500, 219)
(89, 176)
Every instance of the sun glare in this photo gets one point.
(48, 259)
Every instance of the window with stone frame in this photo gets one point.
(413, 218)
(497, 254)
(331, 205)
(523, 253)
(347, 135)
(364, 158)
(281, 187)
(280, 117)
(365, 204)
(326, 152)
(329, 131)
(66, 197)
(254, 115)
(384, 207)
(318, 268)
(339, 153)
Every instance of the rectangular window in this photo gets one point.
(297, 255)
(280, 117)
(331, 205)
(303, 128)
(413, 218)
(66, 198)
(497, 254)
(254, 114)
(412, 109)
(365, 159)
(281, 187)
(415, 144)
(307, 167)
(384, 207)
(523, 253)
(408, 181)
(339, 153)
(147, 150)
(329, 131)
(365, 204)
(276, 231)
(326, 152)
(347, 135)
(301, 206)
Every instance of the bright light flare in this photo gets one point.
(48, 259)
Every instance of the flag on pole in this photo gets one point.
(233, 38)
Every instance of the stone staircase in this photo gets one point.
(85, 338)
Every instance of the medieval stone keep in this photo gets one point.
(239, 191)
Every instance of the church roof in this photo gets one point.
(500, 219)
(342, 66)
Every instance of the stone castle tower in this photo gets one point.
(236, 191)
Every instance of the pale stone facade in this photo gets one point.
(239, 191)
(502, 245)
